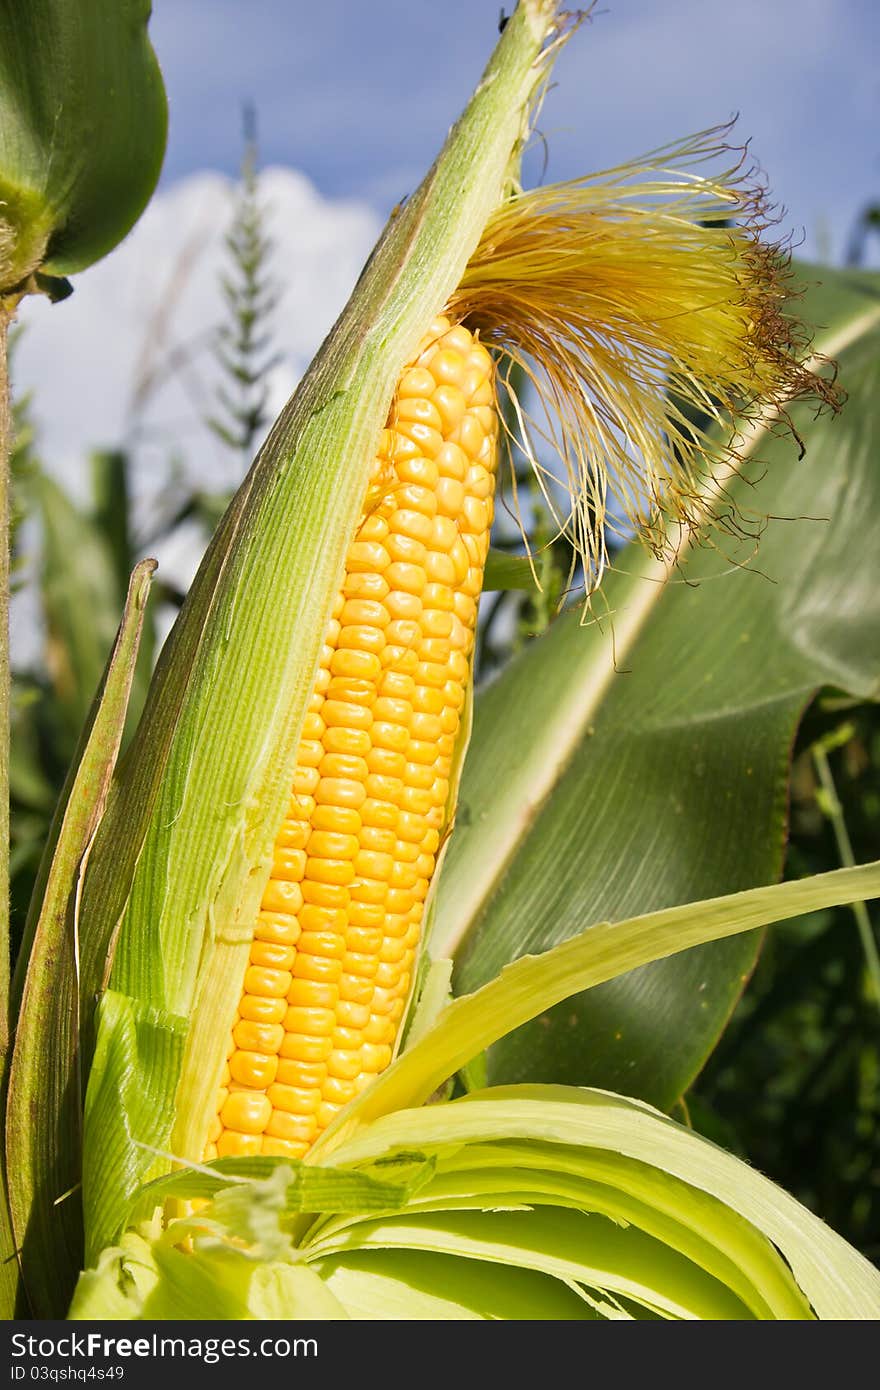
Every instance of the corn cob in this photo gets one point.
(335, 940)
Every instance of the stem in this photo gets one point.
(8, 1263)
(6, 431)
(834, 812)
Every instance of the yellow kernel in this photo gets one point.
(330, 872)
(301, 1074)
(353, 742)
(283, 1148)
(338, 1090)
(415, 381)
(403, 634)
(352, 1015)
(372, 528)
(428, 440)
(312, 994)
(384, 788)
(375, 1057)
(234, 1145)
(287, 864)
(439, 568)
(447, 366)
(373, 865)
(305, 779)
(378, 813)
(346, 714)
(417, 470)
(361, 637)
(343, 765)
(277, 927)
(371, 837)
(319, 943)
(364, 941)
(404, 606)
(248, 1112)
(356, 964)
(363, 612)
(313, 1021)
(273, 984)
(416, 800)
(403, 876)
(403, 850)
(341, 820)
(366, 914)
(327, 844)
(300, 1047)
(294, 1100)
(452, 462)
(255, 1069)
(296, 1128)
(280, 895)
(386, 762)
(399, 900)
(412, 531)
(257, 1037)
(365, 584)
(262, 1010)
(310, 752)
(358, 664)
(367, 557)
(418, 408)
(470, 435)
(327, 1114)
(313, 726)
(343, 1065)
(369, 891)
(339, 791)
(426, 727)
(465, 609)
(379, 1030)
(398, 684)
(325, 969)
(293, 834)
(408, 577)
(326, 922)
(355, 989)
(460, 561)
(439, 596)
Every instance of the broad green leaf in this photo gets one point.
(643, 761)
(43, 1114)
(505, 571)
(529, 986)
(184, 850)
(80, 601)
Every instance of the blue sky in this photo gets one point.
(358, 93)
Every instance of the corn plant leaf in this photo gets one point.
(80, 600)
(184, 849)
(43, 1112)
(643, 761)
(505, 571)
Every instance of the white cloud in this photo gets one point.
(149, 310)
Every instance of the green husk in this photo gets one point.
(184, 849)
